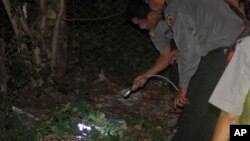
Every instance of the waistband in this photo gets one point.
(221, 50)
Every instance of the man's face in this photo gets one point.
(149, 22)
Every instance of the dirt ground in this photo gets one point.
(151, 103)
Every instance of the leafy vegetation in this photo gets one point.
(65, 120)
(103, 127)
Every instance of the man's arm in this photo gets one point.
(161, 63)
(221, 132)
(161, 37)
(189, 57)
(187, 43)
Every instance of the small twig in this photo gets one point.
(19, 111)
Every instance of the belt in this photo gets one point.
(221, 50)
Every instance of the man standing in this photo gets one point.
(232, 92)
(160, 35)
(204, 32)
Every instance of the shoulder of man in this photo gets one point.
(171, 11)
(174, 8)
(162, 29)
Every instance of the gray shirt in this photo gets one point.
(161, 36)
(200, 26)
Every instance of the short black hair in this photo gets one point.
(137, 9)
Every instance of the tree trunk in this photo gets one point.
(49, 47)
(4, 77)
(59, 41)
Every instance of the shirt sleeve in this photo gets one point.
(161, 36)
(233, 87)
(186, 41)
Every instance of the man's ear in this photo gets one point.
(134, 20)
(154, 14)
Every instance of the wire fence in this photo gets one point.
(98, 32)
(99, 29)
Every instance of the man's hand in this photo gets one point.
(173, 57)
(139, 82)
(180, 99)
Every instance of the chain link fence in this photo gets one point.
(99, 33)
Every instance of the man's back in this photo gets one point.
(212, 20)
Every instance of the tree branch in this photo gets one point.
(24, 23)
(12, 17)
(4, 77)
(43, 19)
(56, 33)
